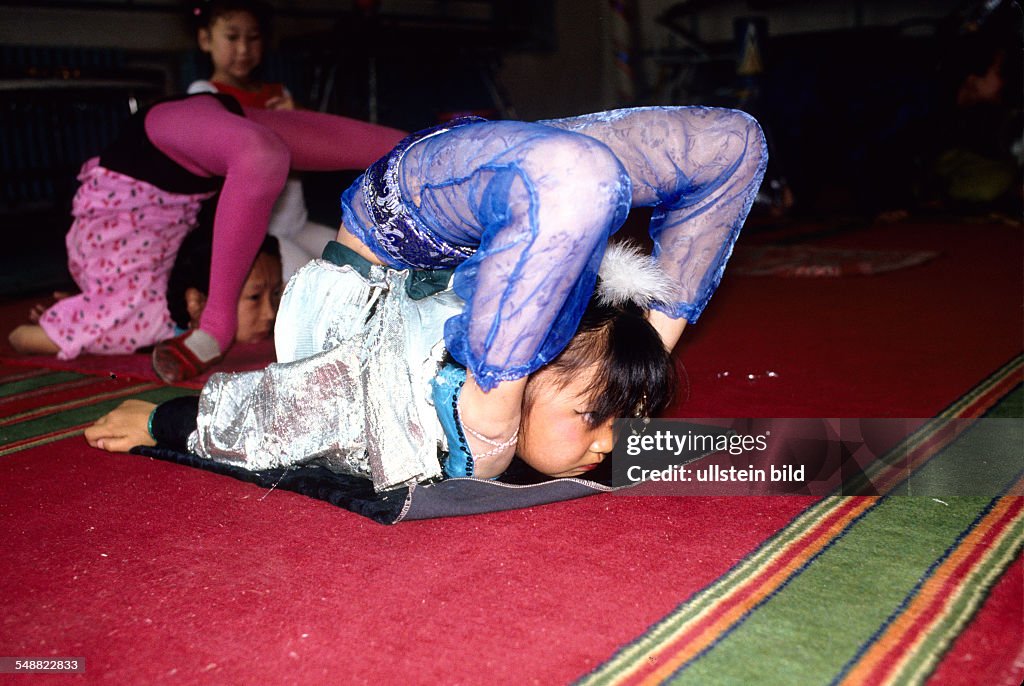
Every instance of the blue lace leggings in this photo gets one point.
(540, 200)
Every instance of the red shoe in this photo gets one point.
(173, 361)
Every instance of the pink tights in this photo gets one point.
(254, 155)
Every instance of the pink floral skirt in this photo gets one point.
(121, 247)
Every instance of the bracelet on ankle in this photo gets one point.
(498, 446)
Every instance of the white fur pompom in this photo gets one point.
(629, 275)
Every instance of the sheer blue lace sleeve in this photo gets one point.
(699, 168)
(539, 204)
(526, 210)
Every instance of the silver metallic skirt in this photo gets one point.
(351, 388)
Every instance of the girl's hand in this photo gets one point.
(123, 428)
(281, 102)
(39, 308)
(670, 330)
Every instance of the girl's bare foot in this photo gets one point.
(30, 339)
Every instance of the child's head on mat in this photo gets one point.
(189, 284)
(615, 366)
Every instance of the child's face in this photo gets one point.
(556, 437)
(235, 46)
(261, 295)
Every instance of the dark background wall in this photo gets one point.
(838, 84)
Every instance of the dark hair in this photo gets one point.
(635, 373)
(192, 269)
(203, 14)
(977, 38)
(636, 376)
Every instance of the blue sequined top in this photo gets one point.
(399, 239)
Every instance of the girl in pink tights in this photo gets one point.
(139, 199)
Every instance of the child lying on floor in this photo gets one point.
(522, 212)
(614, 366)
(188, 288)
(189, 283)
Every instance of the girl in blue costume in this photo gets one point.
(522, 212)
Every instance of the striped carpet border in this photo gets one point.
(81, 402)
(23, 374)
(883, 475)
(710, 615)
(698, 624)
(1017, 489)
(37, 441)
(10, 390)
(908, 645)
(945, 629)
(985, 395)
(48, 390)
(42, 406)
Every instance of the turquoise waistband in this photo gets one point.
(420, 284)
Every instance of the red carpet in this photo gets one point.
(803, 261)
(995, 634)
(139, 366)
(156, 570)
(901, 344)
(155, 573)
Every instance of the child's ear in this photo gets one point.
(195, 303)
(205, 40)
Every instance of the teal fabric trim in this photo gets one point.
(445, 389)
(336, 253)
(421, 283)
